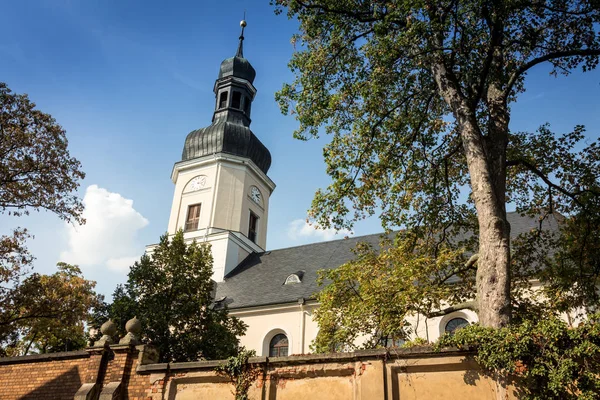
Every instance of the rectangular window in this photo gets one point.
(252, 227)
(223, 100)
(236, 100)
(193, 217)
(247, 105)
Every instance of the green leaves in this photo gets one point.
(371, 297)
(36, 169)
(363, 72)
(545, 357)
(170, 291)
(47, 313)
(416, 97)
(241, 373)
(37, 172)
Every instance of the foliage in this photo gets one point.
(37, 173)
(547, 358)
(48, 312)
(241, 373)
(170, 291)
(560, 256)
(370, 297)
(416, 96)
(415, 343)
(36, 170)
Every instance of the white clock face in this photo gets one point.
(198, 183)
(255, 194)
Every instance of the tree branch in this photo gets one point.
(361, 17)
(470, 264)
(467, 305)
(547, 181)
(547, 57)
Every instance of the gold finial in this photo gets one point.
(240, 51)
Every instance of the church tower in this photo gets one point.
(221, 185)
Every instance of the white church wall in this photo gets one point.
(294, 320)
(261, 209)
(228, 200)
(234, 202)
(183, 197)
(267, 321)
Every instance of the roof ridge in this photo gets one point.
(348, 237)
(326, 241)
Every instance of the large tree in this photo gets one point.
(47, 313)
(36, 173)
(171, 292)
(417, 97)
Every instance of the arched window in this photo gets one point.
(278, 347)
(223, 100)
(454, 324)
(247, 105)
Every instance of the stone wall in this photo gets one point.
(128, 372)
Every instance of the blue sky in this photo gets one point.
(129, 79)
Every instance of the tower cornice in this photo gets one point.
(222, 157)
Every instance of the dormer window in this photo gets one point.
(236, 100)
(294, 278)
(223, 100)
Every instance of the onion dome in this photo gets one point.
(238, 67)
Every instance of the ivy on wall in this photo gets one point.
(240, 372)
(546, 358)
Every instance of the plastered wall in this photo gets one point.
(128, 372)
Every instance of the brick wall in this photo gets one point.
(53, 376)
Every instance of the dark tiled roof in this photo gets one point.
(259, 279)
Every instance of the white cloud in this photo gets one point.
(109, 236)
(121, 264)
(300, 229)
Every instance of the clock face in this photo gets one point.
(255, 194)
(198, 183)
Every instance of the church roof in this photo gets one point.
(260, 279)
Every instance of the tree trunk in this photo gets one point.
(487, 170)
(486, 159)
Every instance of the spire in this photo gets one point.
(240, 50)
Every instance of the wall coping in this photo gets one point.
(412, 352)
(65, 355)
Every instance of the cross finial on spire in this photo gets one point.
(240, 51)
